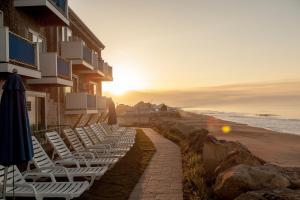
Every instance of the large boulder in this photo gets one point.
(294, 175)
(284, 194)
(243, 178)
(215, 151)
(237, 157)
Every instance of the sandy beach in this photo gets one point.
(278, 148)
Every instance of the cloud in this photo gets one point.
(277, 97)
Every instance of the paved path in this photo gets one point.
(162, 179)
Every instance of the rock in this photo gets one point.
(237, 157)
(243, 178)
(215, 151)
(284, 194)
(294, 175)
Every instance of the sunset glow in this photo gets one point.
(124, 80)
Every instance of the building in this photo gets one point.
(59, 59)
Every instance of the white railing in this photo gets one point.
(54, 66)
(80, 101)
(101, 103)
(76, 50)
(18, 50)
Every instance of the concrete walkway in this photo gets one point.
(162, 179)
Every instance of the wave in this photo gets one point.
(268, 121)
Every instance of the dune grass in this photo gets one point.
(194, 185)
(118, 182)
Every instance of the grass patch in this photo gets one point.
(194, 184)
(117, 183)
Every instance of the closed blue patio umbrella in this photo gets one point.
(15, 133)
(112, 115)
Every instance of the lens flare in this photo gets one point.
(226, 129)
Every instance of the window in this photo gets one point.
(69, 34)
(37, 38)
(63, 34)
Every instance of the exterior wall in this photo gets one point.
(20, 22)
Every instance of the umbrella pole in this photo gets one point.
(4, 183)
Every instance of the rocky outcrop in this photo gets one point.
(243, 178)
(224, 170)
(237, 157)
(216, 151)
(284, 194)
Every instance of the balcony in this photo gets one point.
(108, 72)
(18, 53)
(101, 103)
(84, 60)
(80, 103)
(55, 70)
(48, 12)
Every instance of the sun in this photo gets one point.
(124, 80)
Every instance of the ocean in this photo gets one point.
(272, 122)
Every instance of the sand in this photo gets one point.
(278, 148)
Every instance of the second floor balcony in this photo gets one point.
(55, 71)
(81, 56)
(48, 12)
(101, 103)
(81, 103)
(18, 53)
(85, 61)
(107, 71)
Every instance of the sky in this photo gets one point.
(183, 45)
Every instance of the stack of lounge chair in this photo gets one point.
(89, 152)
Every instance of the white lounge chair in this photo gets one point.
(123, 133)
(64, 153)
(77, 146)
(115, 141)
(101, 147)
(18, 187)
(44, 164)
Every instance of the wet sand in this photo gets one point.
(278, 148)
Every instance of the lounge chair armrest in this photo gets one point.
(70, 178)
(85, 154)
(67, 161)
(100, 146)
(39, 175)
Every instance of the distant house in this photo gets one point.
(142, 107)
(123, 109)
(163, 108)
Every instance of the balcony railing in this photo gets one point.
(61, 5)
(91, 102)
(101, 103)
(63, 68)
(87, 55)
(101, 65)
(80, 101)
(22, 51)
(78, 52)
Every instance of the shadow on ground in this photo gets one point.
(118, 182)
